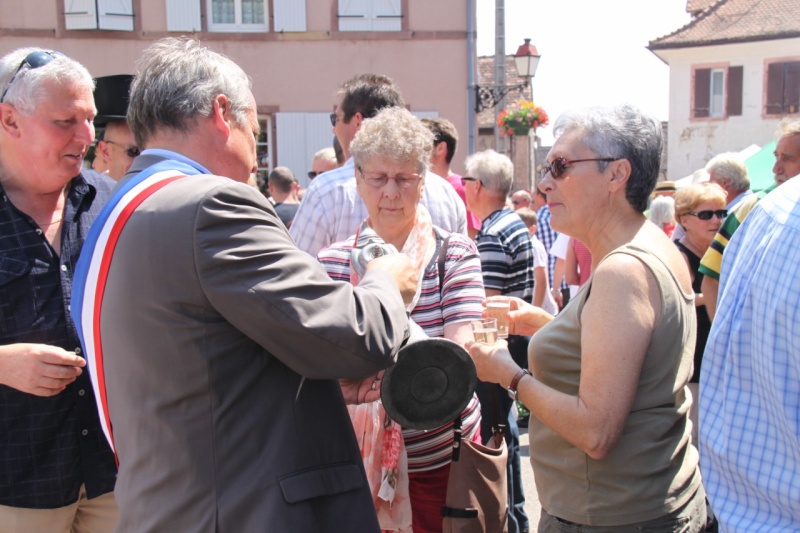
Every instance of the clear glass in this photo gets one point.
(497, 307)
(484, 330)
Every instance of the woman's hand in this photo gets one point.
(524, 318)
(366, 390)
(492, 361)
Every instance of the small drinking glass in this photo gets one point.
(498, 307)
(485, 330)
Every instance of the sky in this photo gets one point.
(592, 51)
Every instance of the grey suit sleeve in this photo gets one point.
(255, 277)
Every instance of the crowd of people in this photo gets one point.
(179, 352)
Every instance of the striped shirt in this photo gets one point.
(749, 395)
(506, 254)
(459, 300)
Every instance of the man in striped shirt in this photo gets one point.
(507, 263)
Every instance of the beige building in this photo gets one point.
(734, 75)
(296, 51)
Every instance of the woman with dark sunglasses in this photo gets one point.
(700, 210)
(609, 431)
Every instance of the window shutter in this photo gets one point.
(115, 15)
(774, 102)
(702, 92)
(791, 88)
(290, 15)
(354, 15)
(734, 105)
(80, 15)
(387, 15)
(298, 137)
(183, 15)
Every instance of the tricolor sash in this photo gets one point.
(91, 271)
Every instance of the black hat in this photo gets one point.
(111, 95)
(430, 385)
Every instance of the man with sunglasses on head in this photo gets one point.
(331, 210)
(57, 471)
(116, 148)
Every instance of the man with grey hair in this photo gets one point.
(57, 471)
(213, 338)
(729, 172)
(331, 209)
(507, 261)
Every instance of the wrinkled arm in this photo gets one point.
(624, 298)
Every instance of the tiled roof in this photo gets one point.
(485, 74)
(735, 21)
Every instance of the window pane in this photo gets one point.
(223, 12)
(253, 12)
(717, 94)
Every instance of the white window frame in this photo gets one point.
(237, 26)
(716, 87)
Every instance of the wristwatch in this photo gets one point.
(512, 388)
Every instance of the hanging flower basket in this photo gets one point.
(521, 118)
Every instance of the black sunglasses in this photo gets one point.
(560, 165)
(334, 119)
(34, 60)
(706, 215)
(465, 179)
(312, 174)
(132, 151)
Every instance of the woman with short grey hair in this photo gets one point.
(409, 467)
(607, 384)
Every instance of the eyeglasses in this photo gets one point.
(706, 215)
(312, 174)
(132, 151)
(334, 119)
(465, 179)
(560, 165)
(377, 180)
(34, 60)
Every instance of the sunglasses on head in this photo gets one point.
(706, 215)
(561, 164)
(132, 151)
(34, 60)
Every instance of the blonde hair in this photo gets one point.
(687, 200)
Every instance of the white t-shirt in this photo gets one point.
(540, 261)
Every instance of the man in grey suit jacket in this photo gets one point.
(214, 343)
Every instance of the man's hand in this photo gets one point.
(366, 390)
(38, 369)
(400, 268)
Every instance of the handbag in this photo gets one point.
(477, 494)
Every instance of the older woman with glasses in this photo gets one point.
(609, 430)
(700, 209)
(408, 469)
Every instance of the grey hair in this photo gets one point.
(28, 86)
(662, 210)
(177, 81)
(326, 154)
(730, 167)
(622, 132)
(789, 127)
(394, 133)
(495, 171)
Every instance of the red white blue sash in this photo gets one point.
(91, 273)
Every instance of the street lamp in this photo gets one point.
(526, 60)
